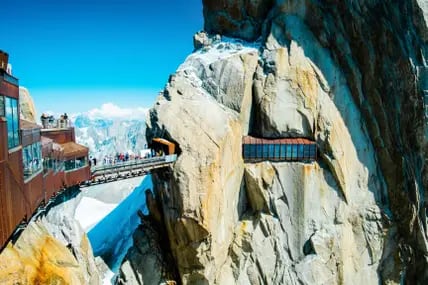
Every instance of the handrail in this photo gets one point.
(56, 123)
(128, 163)
(135, 164)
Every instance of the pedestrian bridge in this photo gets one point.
(128, 169)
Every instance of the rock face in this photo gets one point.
(347, 74)
(26, 105)
(51, 250)
(146, 262)
(236, 18)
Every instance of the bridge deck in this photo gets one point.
(144, 165)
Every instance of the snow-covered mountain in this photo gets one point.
(106, 137)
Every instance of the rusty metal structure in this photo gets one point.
(162, 145)
(33, 160)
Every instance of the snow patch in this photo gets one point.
(108, 213)
(219, 50)
(90, 211)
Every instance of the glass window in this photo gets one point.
(283, 151)
(294, 151)
(276, 151)
(81, 162)
(265, 151)
(313, 151)
(253, 151)
(70, 164)
(12, 117)
(1, 106)
(246, 150)
(15, 122)
(259, 151)
(37, 152)
(58, 165)
(32, 159)
(47, 164)
(271, 153)
(26, 160)
(306, 151)
(300, 151)
(288, 153)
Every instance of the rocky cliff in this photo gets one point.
(26, 105)
(52, 249)
(349, 75)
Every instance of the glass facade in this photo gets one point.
(32, 159)
(280, 152)
(12, 117)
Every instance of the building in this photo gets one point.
(35, 162)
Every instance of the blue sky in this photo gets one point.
(75, 55)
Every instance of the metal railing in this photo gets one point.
(49, 123)
(133, 164)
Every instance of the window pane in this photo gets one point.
(69, 164)
(300, 151)
(35, 160)
(81, 162)
(313, 151)
(27, 154)
(56, 165)
(1, 106)
(9, 118)
(46, 162)
(246, 151)
(283, 151)
(15, 122)
(294, 151)
(288, 151)
(306, 152)
(259, 150)
(265, 151)
(251, 151)
(39, 155)
(276, 151)
(12, 117)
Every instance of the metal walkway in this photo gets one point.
(128, 169)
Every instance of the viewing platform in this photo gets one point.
(102, 173)
(51, 123)
(276, 150)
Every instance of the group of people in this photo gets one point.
(92, 161)
(48, 121)
(119, 157)
(122, 157)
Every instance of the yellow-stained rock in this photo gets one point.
(39, 258)
(26, 104)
